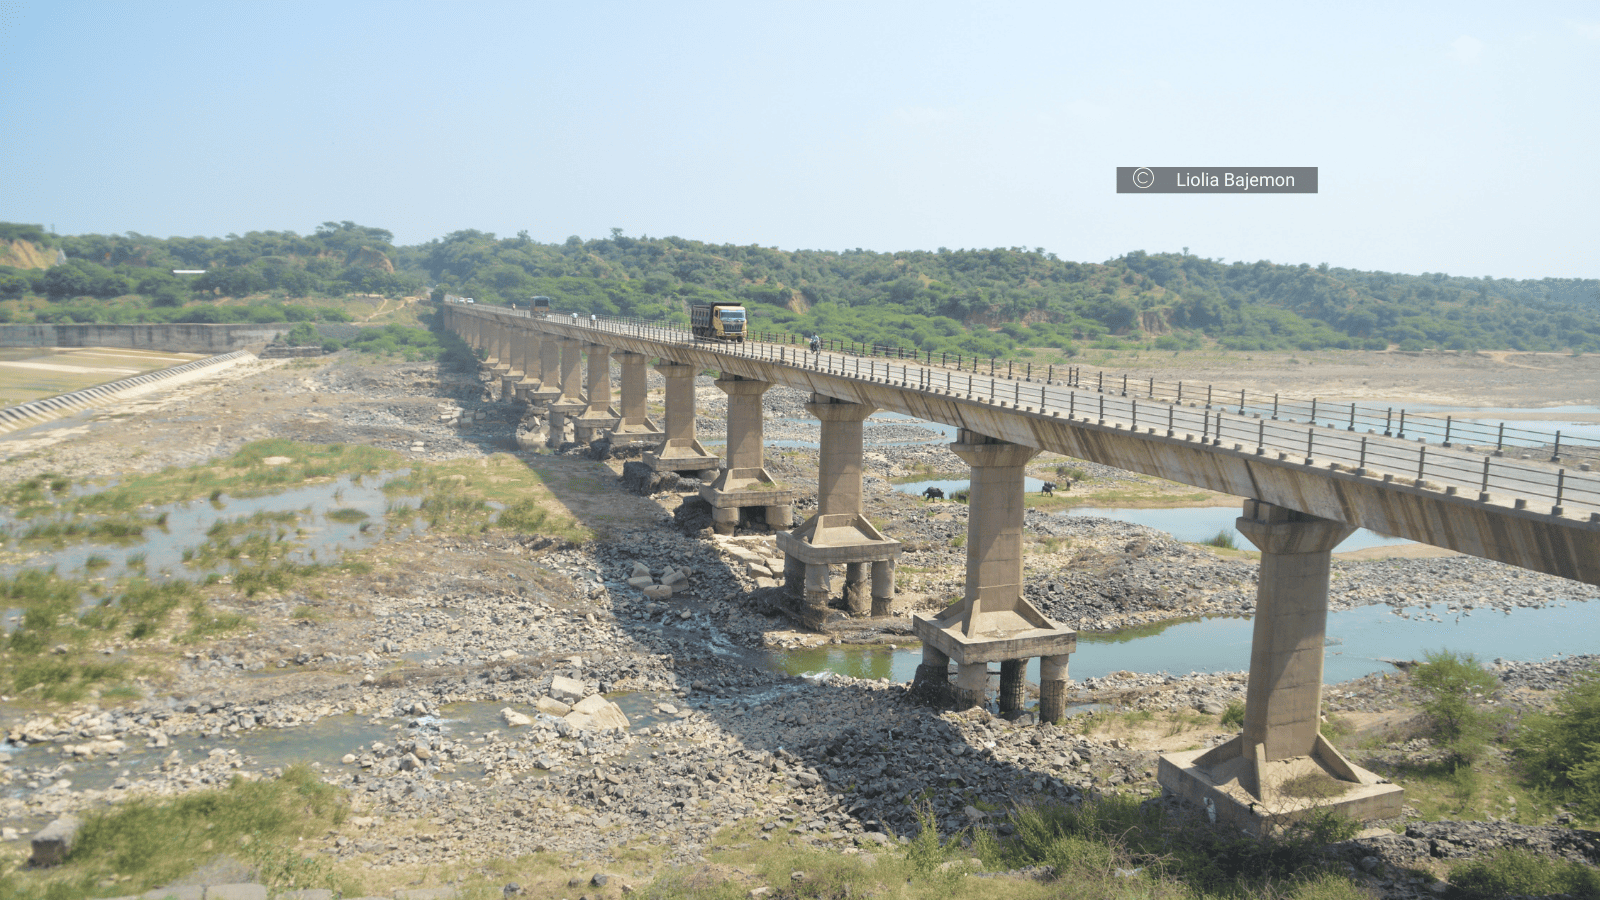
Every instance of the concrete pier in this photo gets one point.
(636, 427)
(598, 417)
(680, 452)
(571, 402)
(499, 348)
(993, 623)
(745, 483)
(839, 534)
(532, 377)
(516, 360)
(1244, 778)
(549, 389)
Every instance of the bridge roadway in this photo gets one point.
(1240, 455)
(1310, 486)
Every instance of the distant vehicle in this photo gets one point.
(468, 300)
(541, 307)
(718, 321)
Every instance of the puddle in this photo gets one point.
(323, 522)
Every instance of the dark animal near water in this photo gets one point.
(933, 493)
(1048, 489)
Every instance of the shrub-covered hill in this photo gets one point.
(987, 302)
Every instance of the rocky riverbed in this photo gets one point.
(507, 624)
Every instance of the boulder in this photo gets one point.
(550, 706)
(54, 841)
(514, 718)
(567, 690)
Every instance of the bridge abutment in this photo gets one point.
(680, 452)
(1252, 781)
(839, 534)
(993, 622)
(745, 483)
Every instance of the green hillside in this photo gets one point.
(985, 302)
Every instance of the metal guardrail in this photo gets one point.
(1454, 455)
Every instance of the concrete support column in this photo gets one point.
(680, 401)
(839, 454)
(744, 420)
(634, 392)
(780, 516)
(814, 606)
(882, 586)
(972, 678)
(599, 380)
(794, 576)
(857, 599)
(932, 682)
(550, 362)
(516, 360)
(556, 428)
(1052, 688)
(499, 348)
(1284, 697)
(571, 371)
(1012, 686)
(532, 346)
(994, 527)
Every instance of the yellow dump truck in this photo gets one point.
(718, 321)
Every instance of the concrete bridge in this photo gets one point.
(1311, 484)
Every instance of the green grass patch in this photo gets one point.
(347, 515)
(1512, 872)
(145, 842)
(1223, 539)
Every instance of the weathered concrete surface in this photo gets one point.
(1243, 779)
(680, 452)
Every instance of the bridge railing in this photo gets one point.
(1421, 450)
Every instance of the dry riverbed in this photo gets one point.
(433, 682)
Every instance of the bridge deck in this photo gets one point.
(1524, 512)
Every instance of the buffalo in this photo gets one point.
(933, 493)
(1048, 489)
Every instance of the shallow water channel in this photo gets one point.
(317, 538)
(1358, 640)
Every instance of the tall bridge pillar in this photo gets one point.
(1244, 778)
(498, 347)
(745, 482)
(839, 534)
(636, 426)
(549, 389)
(993, 622)
(532, 346)
(516, 360)
(598, 416)
(680, 452)
(571, 402)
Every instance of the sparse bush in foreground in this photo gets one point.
(1453, 684)
(1561, 748)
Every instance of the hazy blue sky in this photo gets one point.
(1451, 137)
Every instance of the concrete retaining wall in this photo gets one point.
(173, 338)
(39, 411)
